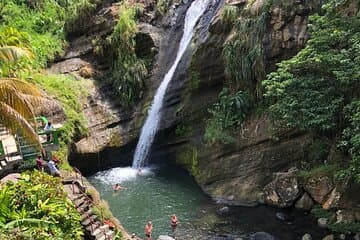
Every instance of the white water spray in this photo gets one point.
(150, 127)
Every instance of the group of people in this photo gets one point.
(51, 165)
(174, 222)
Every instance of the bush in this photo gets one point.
(70, 93)
(229, 112)
(37, 208)
(318, 89)
(128, 71)
(244, 52)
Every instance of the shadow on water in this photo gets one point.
(162, 190)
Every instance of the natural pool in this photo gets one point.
(163, 190)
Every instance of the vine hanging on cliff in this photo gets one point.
(244, 52)
(128, 71)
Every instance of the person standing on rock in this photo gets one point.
(148, 230)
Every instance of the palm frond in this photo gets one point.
(26, 222)
(18, 102)
(13, 53)
(15, 122)
(42, 104)
(20, 86)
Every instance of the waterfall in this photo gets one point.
(150, 127)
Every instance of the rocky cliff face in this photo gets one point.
(235, 173)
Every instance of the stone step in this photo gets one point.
(83, 208)
(106, 236)
(89, 220)
(93, 227)
(80, 201)
(100, 230)
(86, 214)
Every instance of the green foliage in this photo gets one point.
(38, 29)
(348, 228)
(194, 80)
(228, 113)
(339, 227)
(79, 14)
(37, 208)
(351, 140)
(318, 89)
(162, 6)
(128, 71)
(320, 170)
(67, 91)
(244, 52)
(194, 162)
(319, 212)
(229, 15)
(188, 156)
(183, 129)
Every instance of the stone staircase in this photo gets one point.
(11, 154)
(92, 224)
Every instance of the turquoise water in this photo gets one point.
(163, 190)
(154, 195)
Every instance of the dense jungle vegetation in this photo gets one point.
(316, 91)
(36, 208)
(32, 34)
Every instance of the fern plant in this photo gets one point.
(229, 112)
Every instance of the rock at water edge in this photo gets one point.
(306, 236)
(165, 237)
(329, 237)
(283, 191)
(319, 187)
(323, 222)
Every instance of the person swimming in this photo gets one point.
(118, 187)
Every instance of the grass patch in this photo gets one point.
(128, 71)
(162, 6)
(327, 170)
(70, 93)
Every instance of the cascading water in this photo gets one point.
(150, 127)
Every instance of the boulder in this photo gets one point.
(165, 237)
(283, 190)
(304, 203)
(319, 187)
(68, 66)
(87, 71)
(306, 236)
(322, 222)
(329, 237)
